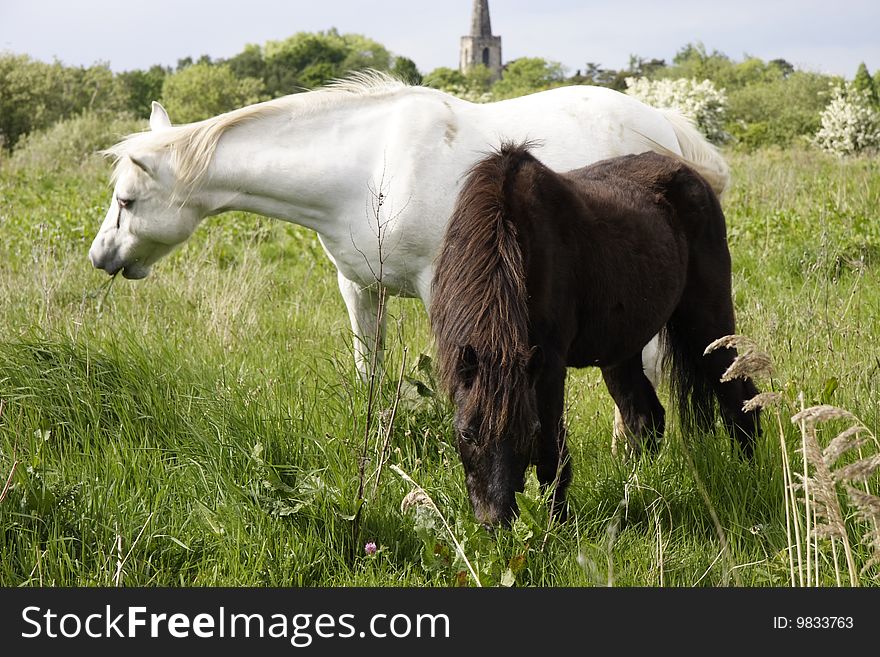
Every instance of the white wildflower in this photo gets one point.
(701, 102)
(850, 124)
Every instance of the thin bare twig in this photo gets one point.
(388, 427)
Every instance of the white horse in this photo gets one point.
(372, 165)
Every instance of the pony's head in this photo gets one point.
(146, 219)
(497, 426)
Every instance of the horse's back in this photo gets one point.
(645, 179)
(573, 125)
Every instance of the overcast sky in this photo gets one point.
(830, 37)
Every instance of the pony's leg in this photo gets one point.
(741, 425)
(635, 396)
(651, 357)
(366, 324)
(553, 465)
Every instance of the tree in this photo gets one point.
(405, 69)
(595, 75)
(310, 59)
(864, 83)
(249, 63)
(445, 78)
(473, 85)
(141, 88)
(639, 67)
(202, 90)
(528, 75)
(785, 68)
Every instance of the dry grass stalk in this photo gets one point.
(15, 462)
(762, 400)
(822, 413)
(861, 470)
(805, 487)
(120, 560)
(868, 507)
(843, 442)
(750, 360)
(827, 516)
(825, 503)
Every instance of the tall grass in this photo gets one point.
(206, 427)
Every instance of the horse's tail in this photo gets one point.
(705, 310)
(696, 151)
(691, 390)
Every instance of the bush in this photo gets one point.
(34, 95)
(779, 111)
(528, 75)
(699, 101)
(473, 86)
(72, 142)
(850, 124)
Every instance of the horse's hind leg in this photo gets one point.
(651, 366)
(634, 394)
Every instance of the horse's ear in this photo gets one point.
(159, 117)
(467, 365)
(535, 362)
(144, 163)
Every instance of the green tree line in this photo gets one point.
(769, 102)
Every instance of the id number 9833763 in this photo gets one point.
(813, 623)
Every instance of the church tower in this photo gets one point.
(480, 47)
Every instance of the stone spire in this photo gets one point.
(480, 47)
(481, 24)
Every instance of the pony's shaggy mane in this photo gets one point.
(191, 147)
(479, 297)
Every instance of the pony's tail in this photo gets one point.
(690, 387)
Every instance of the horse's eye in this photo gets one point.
(125, 202)
(468, 436)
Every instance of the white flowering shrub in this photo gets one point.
(701, 102)
(850, 124)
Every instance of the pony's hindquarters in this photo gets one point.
(704, 314)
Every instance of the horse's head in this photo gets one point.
(497, 426)
(145, 220)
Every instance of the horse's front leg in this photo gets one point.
(651, 357)
(553, 465)
(367, 324)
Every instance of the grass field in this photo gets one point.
(205, 426)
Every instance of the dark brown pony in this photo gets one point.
(539, 271)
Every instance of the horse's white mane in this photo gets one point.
(191, 147)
